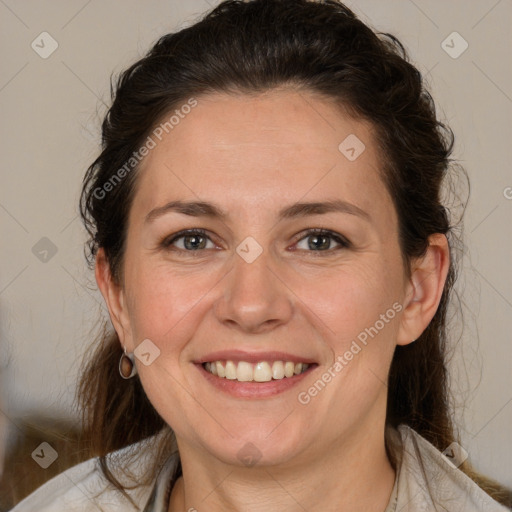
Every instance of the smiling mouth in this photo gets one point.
(263, 371)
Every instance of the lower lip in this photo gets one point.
(253, 389)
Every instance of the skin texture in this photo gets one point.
(253, 156)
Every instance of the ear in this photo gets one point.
(114, 297)
(424, 289)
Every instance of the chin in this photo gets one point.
(258, 447)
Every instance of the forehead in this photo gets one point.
(279, 146)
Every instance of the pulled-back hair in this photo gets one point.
(249, 48)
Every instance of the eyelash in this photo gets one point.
(341, 240)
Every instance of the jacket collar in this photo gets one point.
(159, 498)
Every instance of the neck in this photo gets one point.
(353, 475)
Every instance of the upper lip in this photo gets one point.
(252, 357)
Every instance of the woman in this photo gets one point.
(268, 236)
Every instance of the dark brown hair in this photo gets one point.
(248, 48)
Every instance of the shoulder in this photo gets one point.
(84, 488)
(427, 478)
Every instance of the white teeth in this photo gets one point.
(262, 371)
(277, 370)
(244, 372)
(221, 372)
(289, 368)
(230, 370)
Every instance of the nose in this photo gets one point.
(254, 299)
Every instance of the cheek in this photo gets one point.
(166, 303)
(361, 309)
(349, 300)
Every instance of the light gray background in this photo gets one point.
(51, 109)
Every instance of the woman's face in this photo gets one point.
(255, 287)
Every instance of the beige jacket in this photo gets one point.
(439, 486)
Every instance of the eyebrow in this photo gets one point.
(206, 209)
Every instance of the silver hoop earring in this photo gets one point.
(127, 368)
